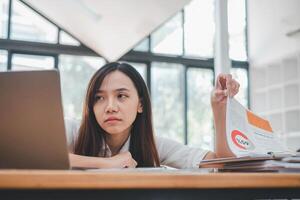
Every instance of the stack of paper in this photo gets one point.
(254, 164)
(255, 146)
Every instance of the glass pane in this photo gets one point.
(199, 28)
(141, 68)
(241, 76)
(75, 72)
(67, 39)
(200, 118)
(143, 46)
(31, 62)
(28, 25)
(3, 60)
(237, 29)
(168, 100)
(168, 38)
(3, 18)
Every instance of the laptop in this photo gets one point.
(32, 130)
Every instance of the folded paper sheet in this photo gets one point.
(248, 134)
(254, 143)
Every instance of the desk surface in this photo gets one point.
(129, 179)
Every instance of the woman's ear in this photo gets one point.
(140, 107)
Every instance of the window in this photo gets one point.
(200, 118)
(168, 100)
(143, 45)
(237, 29)
(3, 60)
(168, 38)
(31, 62)
(185, 37)
(75, 72)
(241, 75)
(3, 18)
(141, 68)
(67, 39)
(28, 25)
(199, 28)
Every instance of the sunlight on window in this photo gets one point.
(199, 28)
(167, 94)
(190, 32)
(168, 38)
(236, 29)
(3, 60)
(143, 45)
(141, 68)
(28, 25)
(75, 73)
(200, 118)
(31, 62)
(67, 39)
(3, 18)
(242, 77)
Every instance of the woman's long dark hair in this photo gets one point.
(91, 140)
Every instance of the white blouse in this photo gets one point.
(170, 152)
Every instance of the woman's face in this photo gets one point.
(117, 104)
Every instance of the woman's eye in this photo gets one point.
(99, 98)
(122, 96)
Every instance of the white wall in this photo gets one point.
(274, 60)
(268, 23)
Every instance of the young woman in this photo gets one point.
(116, 129)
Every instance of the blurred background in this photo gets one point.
(258, 41)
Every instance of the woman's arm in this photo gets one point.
(222, 148)
(86, 161)
(210, 155)
(225, 86)
(122, 160)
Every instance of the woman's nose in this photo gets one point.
(111, 106)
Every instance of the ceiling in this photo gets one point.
(109, 27)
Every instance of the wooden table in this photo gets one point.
(145, 184)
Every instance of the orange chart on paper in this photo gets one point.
(261, 123)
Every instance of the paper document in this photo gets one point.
(248, 134)
(254, 143)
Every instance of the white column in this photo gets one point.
(222, 61)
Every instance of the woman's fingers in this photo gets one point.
(132, 164)
(225, 86)
(219, 95)
(222, 80)
(125, 159)
(233, 87)
(236, 88)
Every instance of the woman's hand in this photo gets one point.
(225, 86)
(121, 160)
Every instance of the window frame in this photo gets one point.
(54, 50)
(12, 52)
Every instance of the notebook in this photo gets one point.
(32, 130)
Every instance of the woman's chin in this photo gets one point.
(114, 130)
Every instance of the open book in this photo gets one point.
(251, 139)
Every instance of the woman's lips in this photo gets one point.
(113, 119)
